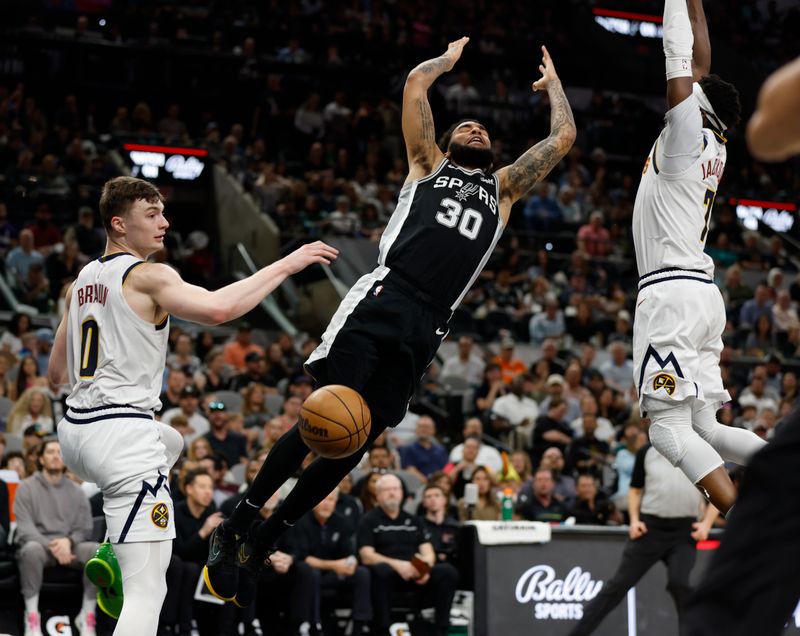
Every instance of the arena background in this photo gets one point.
(267, 124)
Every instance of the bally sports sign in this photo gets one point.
(555, 598)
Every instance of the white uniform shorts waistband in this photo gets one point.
(674, 273)
(76, 415)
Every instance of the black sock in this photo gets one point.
(315, 483)
(282, 462)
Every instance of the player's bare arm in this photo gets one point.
(57, 365)
(687, 47)
(773, 133)
(157, 289)
(418, 129)
(516, 179)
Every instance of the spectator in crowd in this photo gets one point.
(541, 211)
(518, 412)
(465, 365)
(564, 489)
(44, 344)
(441, 528)
(462, 96)
(324, 539)
(541, 505)
(20, 259)
(550, 358)
(34, 290)
(548, 324)
(551, 430)
(225, 442)
(253, 373)
(62, 267)
(188, 404)
(46, 234)
(28, 376)
(592, 507)
(510, 366)
(425, 455)
(236, 350)
(753, 308)
(290, 412)
(183, 355)
(33, 408)
(618, 371)
(11, 340)
(398, 551)
(215, 376)
(195, 519)
(593, 238)
(176, 383)
(556, 387)
(54, 527)
(492, 387)
(200, 448)
(784, 314)
(90, 238)
(487, 455)
(633, 438)
(587, 453)
(487, 508)
(761, 339)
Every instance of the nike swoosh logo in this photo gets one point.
(252, 505)
(214, 552)
(439, 331)
(244, 557)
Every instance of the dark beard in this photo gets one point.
(470, 157)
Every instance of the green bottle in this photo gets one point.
(508, 505)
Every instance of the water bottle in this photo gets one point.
(508, 505)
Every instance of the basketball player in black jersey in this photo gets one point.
(451, 212)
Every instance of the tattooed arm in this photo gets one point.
(537, 162)
(423, 153)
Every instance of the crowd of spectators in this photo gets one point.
(548, 411)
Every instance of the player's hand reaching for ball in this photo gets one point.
(454, 50)
(310, 253)
(548, 71)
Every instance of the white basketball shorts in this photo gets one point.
(677, 339)
(129, 456)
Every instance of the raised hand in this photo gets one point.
(548, 71)
(454, 50)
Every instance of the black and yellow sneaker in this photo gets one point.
(250, 562)
(220, 572)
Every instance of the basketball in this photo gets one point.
(334, 421)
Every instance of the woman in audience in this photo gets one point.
(215, 377)
(199, 449)
(28, 376)
(11, 340)
(487, 508)
(7, 360)
(33, 408)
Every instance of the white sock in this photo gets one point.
(144, 566)
(89, 603)
(32, 604)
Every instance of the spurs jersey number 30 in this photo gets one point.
(672, 212)
(443, 231)
(114, 357)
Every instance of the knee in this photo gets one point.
(32, 552)
(362, 575)
(669, 432)
(85, 551)
(445, 574)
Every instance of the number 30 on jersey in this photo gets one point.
(468, 221)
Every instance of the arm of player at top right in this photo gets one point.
(773, 133)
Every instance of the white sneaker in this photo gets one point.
(33, 624)
(85, 622)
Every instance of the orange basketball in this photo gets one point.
(334, 421)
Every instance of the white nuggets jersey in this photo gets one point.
(114, 357)
(673, 210)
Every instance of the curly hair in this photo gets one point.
(723, 97)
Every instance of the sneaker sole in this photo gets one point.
(100, 573)
(211, 588)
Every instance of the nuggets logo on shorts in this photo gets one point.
(664, 381)
(159, 515)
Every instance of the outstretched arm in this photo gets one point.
(190, 302)
(773, 133)
(418, 130)
(680, 36)
(701, 51)
(537, 162)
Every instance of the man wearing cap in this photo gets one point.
(519, 409)
(225, 442)
(236, 350)
(509, 365)
(253, 373)
(188, 404)
(551, 429)
(556, 385)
